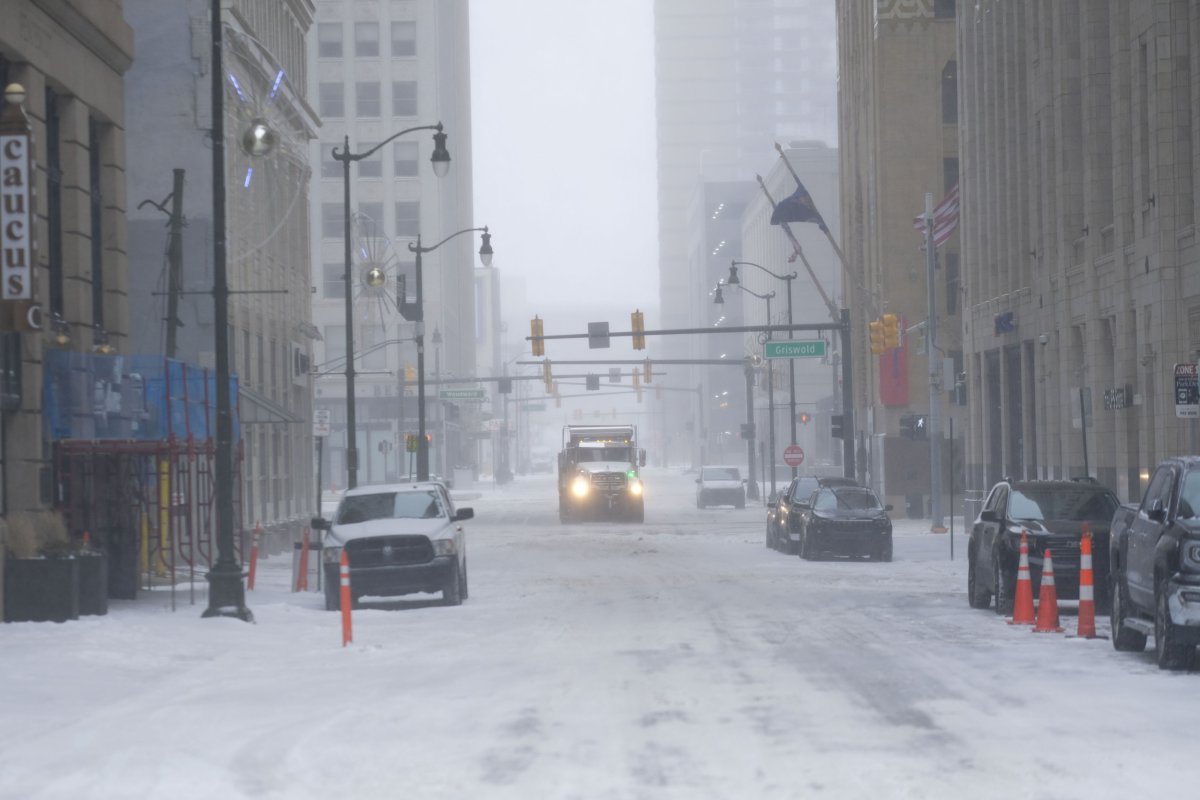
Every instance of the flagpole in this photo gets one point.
(825, 230)
(833, 310)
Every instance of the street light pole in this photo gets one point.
(485, 256)
(733, 278)
(441, 165)
(719, 300)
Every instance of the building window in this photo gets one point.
(950, 93)
(54, 179)
(333, 220)
(408, 218)
(331, 100)
(943, 9)
(329, 40)
(949, 174)
(404, 98)
(366, 95)
(97, 215)
(333, 281)
(366, 39)
(330, 166)
(335, 344)
(370, 167)
(404, 39)
(373, 212)
(406, 155)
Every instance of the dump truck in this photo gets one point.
(598, 474)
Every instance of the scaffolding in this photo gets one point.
(135, 465)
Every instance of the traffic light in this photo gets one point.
(803, 417)
(835, 426)
(647, 372)
(547, 376)
(504, 386)
(638, 324)
(913, 426)
(410, 373)
(891, 331)
(637, 384)
(876, 329)
(537, 346)
(747, 430)
(593, 383)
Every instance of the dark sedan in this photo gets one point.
(1053, 513)
(846, 520)
(783, 515)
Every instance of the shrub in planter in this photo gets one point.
(41, 572)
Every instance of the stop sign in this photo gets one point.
(793, 455)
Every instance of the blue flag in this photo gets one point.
(798, 207)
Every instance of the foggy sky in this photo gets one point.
(564, 151)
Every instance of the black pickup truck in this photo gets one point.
(1154, 561)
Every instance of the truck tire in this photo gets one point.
(1124, 639)
(1169, 652)
(333, 599)
(977, 596)
(452, 591)
(639, 513)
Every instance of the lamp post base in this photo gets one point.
(226, 595)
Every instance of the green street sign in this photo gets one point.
(461, 394)
(812, 348)
(535, 406)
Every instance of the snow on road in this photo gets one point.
(675, 659)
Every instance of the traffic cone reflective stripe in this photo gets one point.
(1023, 600)
(1086, 628)
(1047, 616)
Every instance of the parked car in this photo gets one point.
(1053, 513)
(846, 520)
(400, 539)
(1155, 556)
(720, 486)
(783, 515)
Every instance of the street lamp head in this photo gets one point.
(437, 335)
(485, 249)
(733, 276)
(441, 156)
(718, 298)
(260, 139)
(376, 277)
(14, 93)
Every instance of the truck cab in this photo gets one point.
(599, 474)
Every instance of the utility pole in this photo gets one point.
(175, 263)
(931, 353)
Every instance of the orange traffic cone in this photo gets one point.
(1023, 601)
(1086, 628)
(1047, 617)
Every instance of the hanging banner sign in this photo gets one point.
(16, 230)
(1187, 392)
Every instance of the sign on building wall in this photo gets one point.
(1187, 392)
(16, 231)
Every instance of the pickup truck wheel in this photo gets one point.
(884, 551)
(333, 601)
(1123, 639)
(770, 538)
(977, 597)
(1168, 651)
(1005, 586)
(452, 591)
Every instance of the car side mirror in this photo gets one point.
(697, 480)
(988, 516)
(463, 513)
(888, 507)
(1158, 511)
(319, 524)
(641, 457)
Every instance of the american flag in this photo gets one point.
(945, 219)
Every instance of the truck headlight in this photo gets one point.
(580, 487)
(1191, 556)
(331, 555)
(635, 488)
(445, 547)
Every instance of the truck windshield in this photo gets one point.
(721, 474)
(604, 454)
(1061, 504)
(389, 505)
(1189, 495)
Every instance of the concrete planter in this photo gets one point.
(41, 589)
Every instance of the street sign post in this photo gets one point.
(1187, 392)
(804, 348)
(793, 455)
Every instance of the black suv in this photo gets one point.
(1053, 513)
(783, 516)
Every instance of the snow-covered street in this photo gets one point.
(679, 658)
